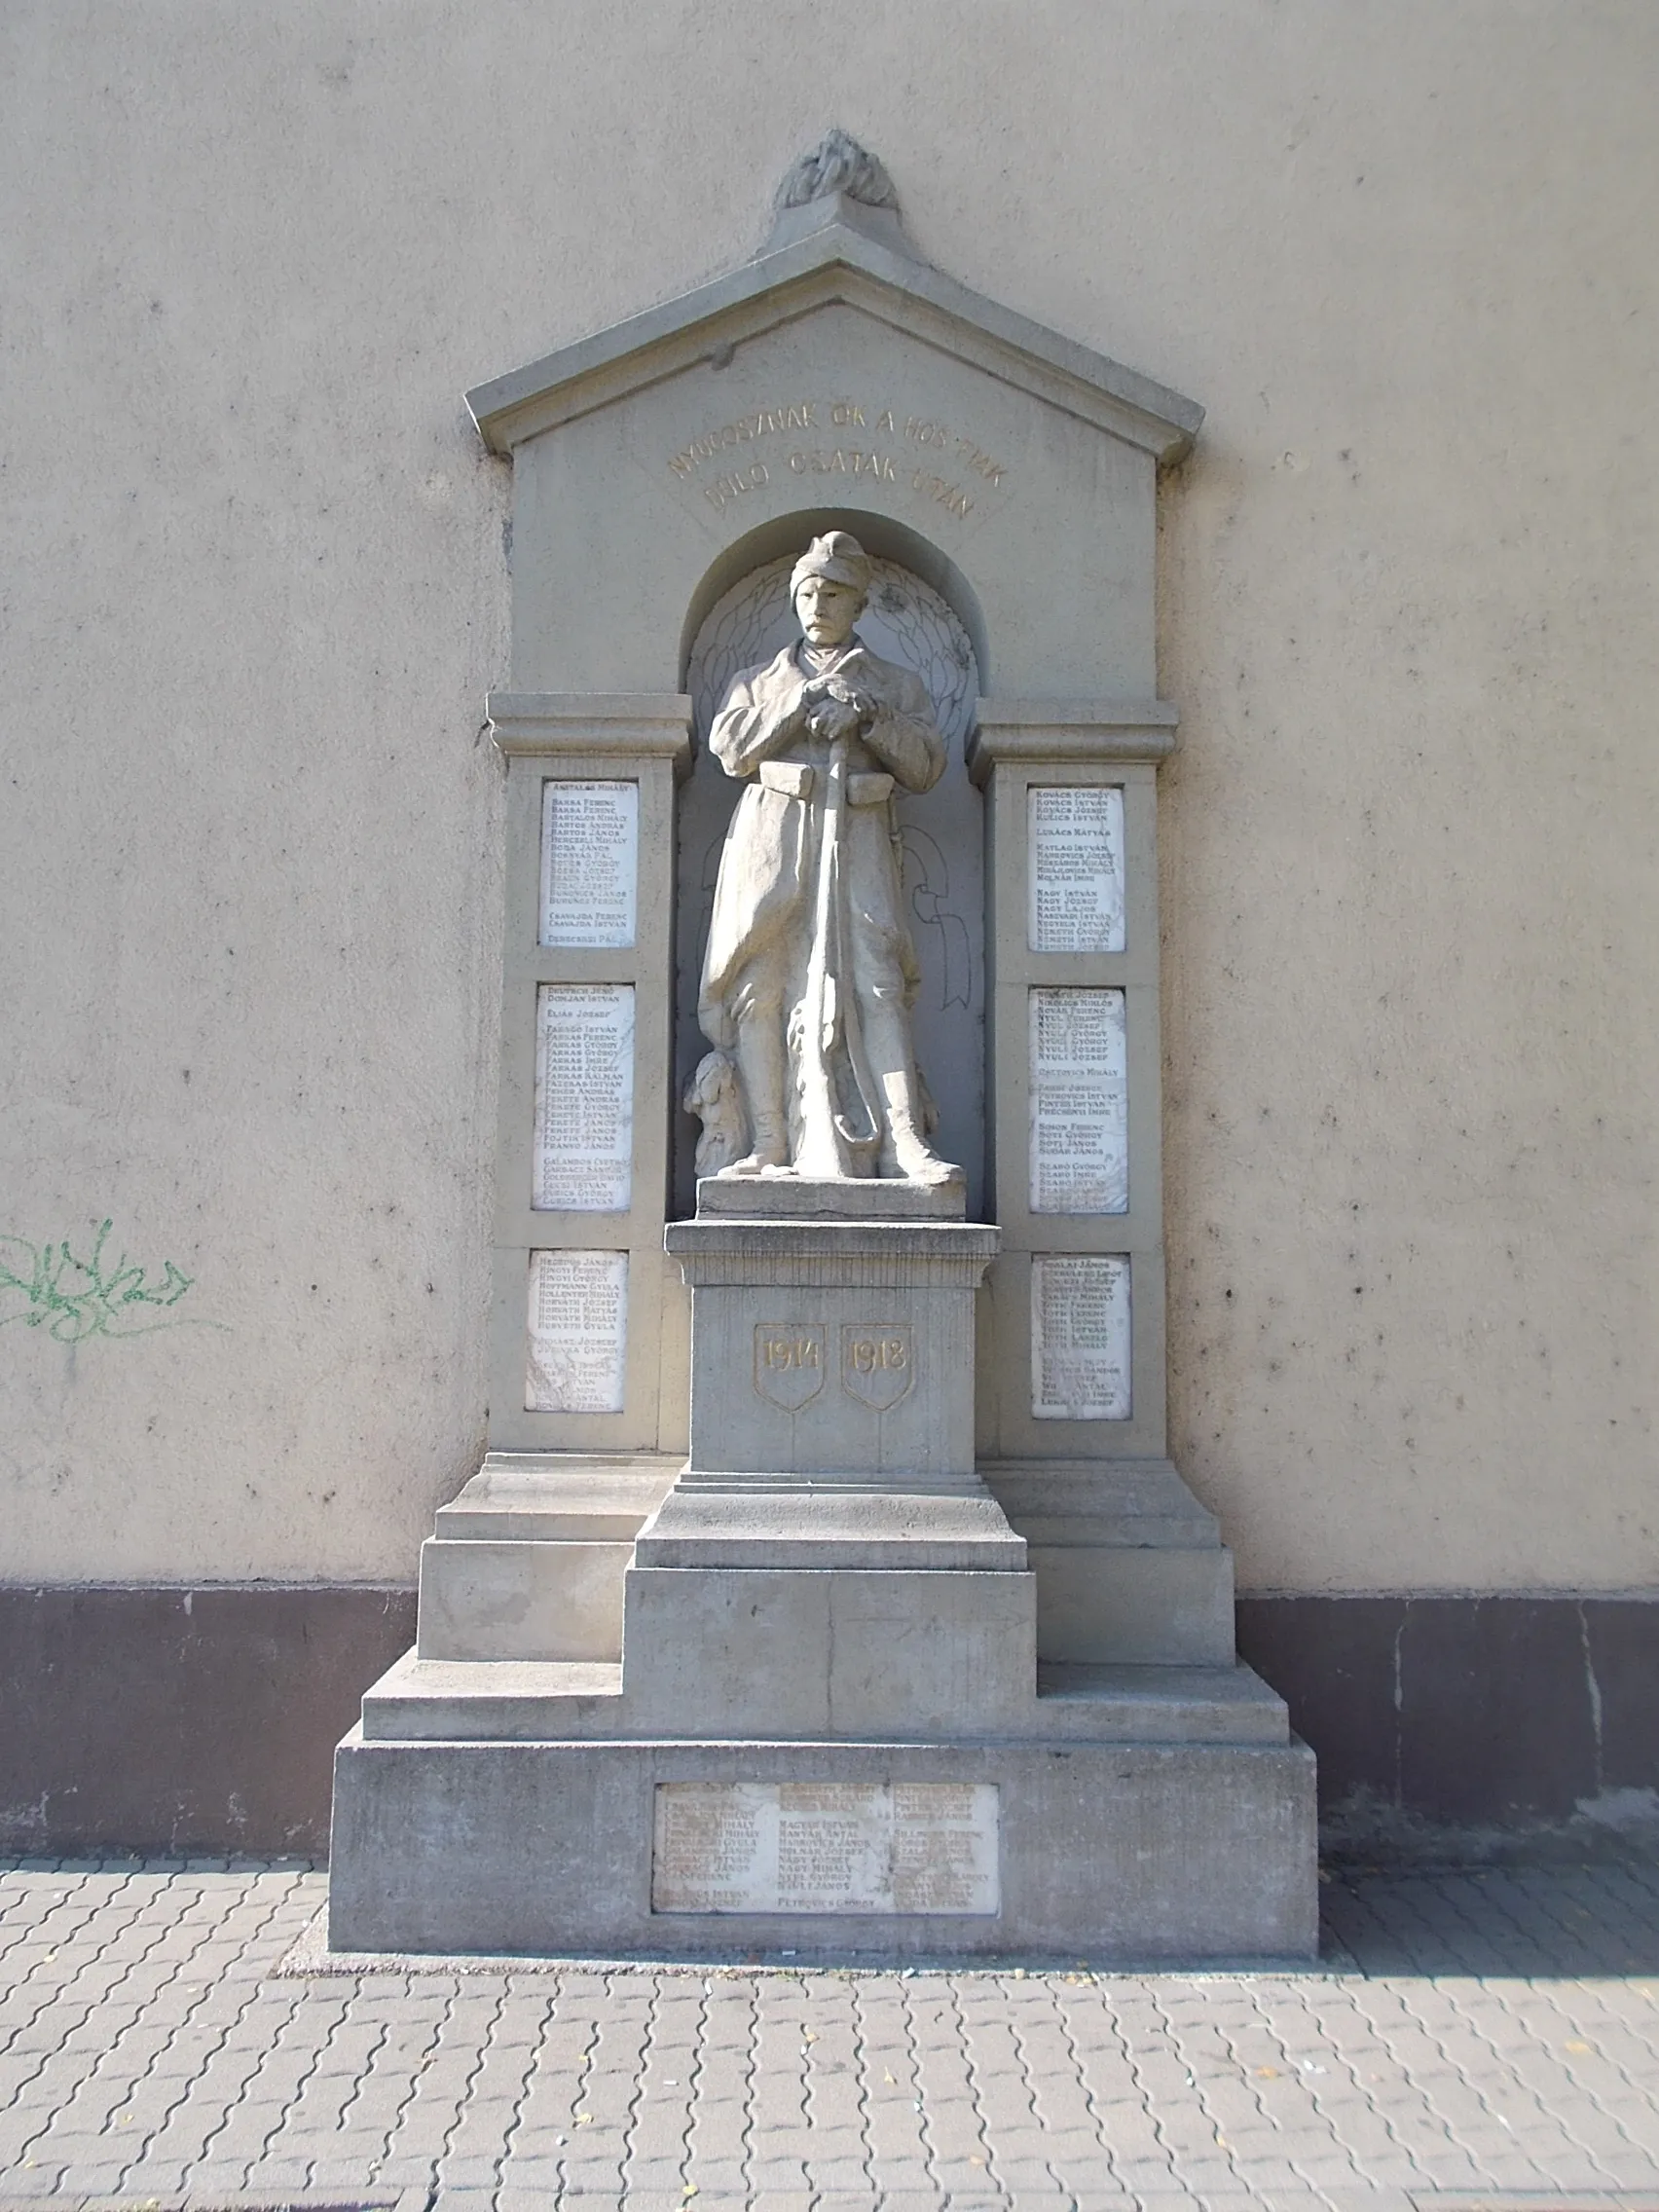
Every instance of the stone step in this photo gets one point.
(1160, 1705)
(526, 1564)
(558, 1497)
(522, 1600)
(1136, 1503)
(551, 1700)
(493, 1700)
(1130, 1568)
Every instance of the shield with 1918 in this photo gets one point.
(878, 1362)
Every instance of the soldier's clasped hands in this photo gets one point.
(833, 708)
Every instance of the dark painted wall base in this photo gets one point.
(1502, 1712)
(169, 1720)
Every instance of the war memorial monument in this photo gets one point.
(827, 1587)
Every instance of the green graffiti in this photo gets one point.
(44, 1287)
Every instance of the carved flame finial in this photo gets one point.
(837, 163)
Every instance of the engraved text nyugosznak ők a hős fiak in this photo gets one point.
(935, 461)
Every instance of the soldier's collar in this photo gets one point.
(804, 650)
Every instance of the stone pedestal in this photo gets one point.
(1108, 1848)
(829, 1563)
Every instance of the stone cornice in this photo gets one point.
(839, 259)
(653, 725)
(827, 1255)
(1029, 730)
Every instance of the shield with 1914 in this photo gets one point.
(788, 1363)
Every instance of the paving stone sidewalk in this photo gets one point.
(1487, 2039)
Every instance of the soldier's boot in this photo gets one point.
(905, 1148)
(760, 1063)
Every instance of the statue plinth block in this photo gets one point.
(828, 1198)
(833, 1350)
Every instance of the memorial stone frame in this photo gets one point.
(837, 380)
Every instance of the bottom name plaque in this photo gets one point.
(869, 1847)
(579, 1333)
(1080, 1337)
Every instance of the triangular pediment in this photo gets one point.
(835, 253)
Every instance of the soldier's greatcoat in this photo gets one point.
(769, 868)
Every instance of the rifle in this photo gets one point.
(832, 1145)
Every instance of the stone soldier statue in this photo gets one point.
(810, 971)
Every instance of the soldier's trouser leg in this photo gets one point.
(761, 1064)
(905, 1148)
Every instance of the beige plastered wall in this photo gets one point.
(256, 587)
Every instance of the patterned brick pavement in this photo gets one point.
(1473, 2040)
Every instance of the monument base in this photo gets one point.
(803, 1705)
(1115, 1851)
(885, 1738)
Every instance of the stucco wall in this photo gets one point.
(255, 588)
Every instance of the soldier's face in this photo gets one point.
(828, 609)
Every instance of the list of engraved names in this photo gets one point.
(1080, 1337)
(577, 1331)
(590, 859)
(1075, 868)
(1080, 1138)
(584, 1096)
(829, 1847)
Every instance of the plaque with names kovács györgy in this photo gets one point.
(590, 863)
(825, 1847)
(1075, 868)
(1080, 1337)
(578, 1333)
(585, 1097)
(1079, 1102)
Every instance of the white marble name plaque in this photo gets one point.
(578, 1332)
(877, 1847)
(585, 1097)
(590, 862)
(1079, 1101)
(1080, 1337)
(1075, 868)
